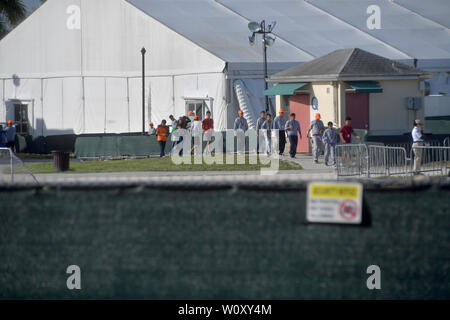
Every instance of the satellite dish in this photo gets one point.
(254, 26)
(269, 40)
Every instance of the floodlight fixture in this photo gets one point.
(254, 26)
(252, 39)
(269, 40)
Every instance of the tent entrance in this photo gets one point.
(18, 111)
(199, 106)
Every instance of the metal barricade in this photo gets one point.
(446, 142)
(377, 160)
(352, 160)
(387, 161)
(430, 160)
(396, 161)
(370, 160)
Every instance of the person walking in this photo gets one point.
(418, 141)
(259, 124)
(240, 127)
(208, 130)
(10, 135)
(347, 131)
(293, 129)
(316, 129)
(162, 132)
(330, 139)
(267, 127)
(174, 123)
(196, 133)
(278, 124)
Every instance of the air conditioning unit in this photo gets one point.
(413, 103)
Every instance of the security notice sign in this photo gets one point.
(334, 203)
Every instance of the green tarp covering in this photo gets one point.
(220, 243)
(117, 146)
(284, 89)
(365, 86)
(121, 146)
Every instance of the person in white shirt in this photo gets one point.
(197, 133)
(152, 130)
(418, 141)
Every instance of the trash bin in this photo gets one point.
(61, 160)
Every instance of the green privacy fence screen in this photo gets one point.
(230, 243)
(117, 146)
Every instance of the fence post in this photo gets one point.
(11, 164)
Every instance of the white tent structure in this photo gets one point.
(74, 66)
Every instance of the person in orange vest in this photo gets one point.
(162, 132)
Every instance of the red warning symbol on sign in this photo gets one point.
(348, 209)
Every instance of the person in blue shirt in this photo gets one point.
(267, 129)
(293, 129)
(329, 140)
(259, 124)
(240, 123)
(278, 124)
(3, 139)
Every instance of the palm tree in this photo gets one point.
(11, 13)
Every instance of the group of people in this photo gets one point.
(290, 128)
(329, 138)
(8, 136)
(320, 135)
(191, 125)
(187, 125)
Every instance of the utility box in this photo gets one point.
(413, 103)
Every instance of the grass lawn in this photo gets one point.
(154, 164)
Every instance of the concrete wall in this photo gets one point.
(323, 91)
(388, 112)
(437, 106)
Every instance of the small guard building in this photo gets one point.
(382, 96)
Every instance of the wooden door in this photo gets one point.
(299, 104)
(357, 108)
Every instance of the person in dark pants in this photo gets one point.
(293, 129)
(259, 124)
(162, 132)
(279, 124)
(10, 135)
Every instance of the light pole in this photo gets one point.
(143, 51)
(268, 39)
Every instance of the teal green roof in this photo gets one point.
(284, 89)
(365, 86)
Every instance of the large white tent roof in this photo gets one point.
(311, 28)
